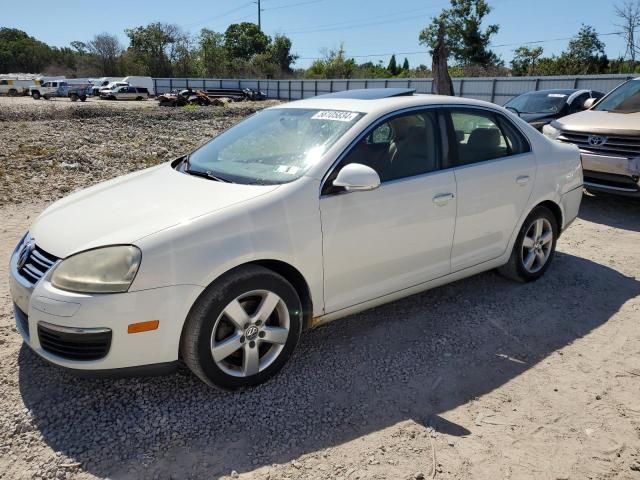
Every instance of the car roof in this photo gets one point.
(381, 105)
(370, 93)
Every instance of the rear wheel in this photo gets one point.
(535, 247)
(35, 95)
(13, 92)
(73, 97)
(243, 328)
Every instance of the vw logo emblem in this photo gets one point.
(596, 140)
(251, 332)
(25, 252)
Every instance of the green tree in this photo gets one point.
(465, 39)
(335, 64)
(524, 60)
(183, 56)
(151, 47)
(393, 66)
(212, 56)
(21, 53)
(244, 40)
(585, 54)
(280, 54)
(405, 64)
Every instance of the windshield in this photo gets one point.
(272, 147)
(538, 102)
(624, 99)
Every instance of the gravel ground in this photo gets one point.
(482, 378)
(50, 148)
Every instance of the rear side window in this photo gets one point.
(482, 135)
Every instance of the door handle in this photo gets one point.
(522, 180)
(443, 199)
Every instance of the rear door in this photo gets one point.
(495, 170)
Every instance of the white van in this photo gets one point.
(103, 82)
(15, 87)
(144, 82)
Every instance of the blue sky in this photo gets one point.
(370, 29)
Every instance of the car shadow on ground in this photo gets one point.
(411, 359)
(612, 210)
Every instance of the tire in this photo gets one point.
(35, 95)
(257, 341)
(139, 98)
(83, 98)
(73, 97)
(13, 92)
(533, 244)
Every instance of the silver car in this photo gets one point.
(608, 135)
(125, 93)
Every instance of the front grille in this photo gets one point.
(611, 180)
(37, 265)
(615, 145)
(21, 319)
(74, 346)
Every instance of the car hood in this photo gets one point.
(128, 208)
(595, 121)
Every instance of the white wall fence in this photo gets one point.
(493, 89)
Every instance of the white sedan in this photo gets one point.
(299, 215)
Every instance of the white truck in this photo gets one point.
(73, 89)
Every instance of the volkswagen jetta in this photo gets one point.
(299, 215)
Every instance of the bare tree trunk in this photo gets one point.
(442, 84)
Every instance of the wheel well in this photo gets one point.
(555, 209)
(295, 278)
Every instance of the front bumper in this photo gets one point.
(619, 175)
(42, 308)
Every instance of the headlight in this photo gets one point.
(552, 132)
(103, 270)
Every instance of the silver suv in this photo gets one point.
(608, 135)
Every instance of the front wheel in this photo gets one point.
(535, 247)
(242, 329)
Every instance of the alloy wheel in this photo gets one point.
(536, 245)
(250, 333)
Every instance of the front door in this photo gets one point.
(400, 235)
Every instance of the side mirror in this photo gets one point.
(589, 102)
(357, 177)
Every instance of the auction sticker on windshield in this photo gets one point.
(335, 115)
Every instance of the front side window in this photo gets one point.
(624, 99)
(274, 146)
(481, 136)
(404, 146)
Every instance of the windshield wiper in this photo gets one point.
(200, 173)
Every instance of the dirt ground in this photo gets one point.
(483, 378)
